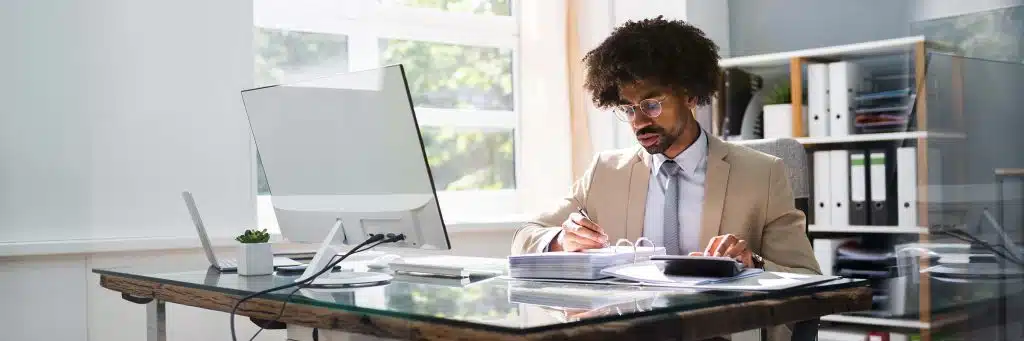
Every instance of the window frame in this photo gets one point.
(365, 22)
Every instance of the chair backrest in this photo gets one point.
(794, 156)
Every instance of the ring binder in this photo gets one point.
(654, 247)
(586, 264)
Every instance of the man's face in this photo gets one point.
(673, 115)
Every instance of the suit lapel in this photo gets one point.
(636, 203)
(714, 189)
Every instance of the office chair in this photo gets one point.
(794, 156)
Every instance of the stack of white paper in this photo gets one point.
(575, 265)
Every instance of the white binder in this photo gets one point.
(817, 99)
(906, 185)
(840, 187)
(822, 183)
(844, 80)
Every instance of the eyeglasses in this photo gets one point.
(650, 107)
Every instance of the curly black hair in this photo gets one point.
(672, 53)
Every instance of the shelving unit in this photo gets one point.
(916, 48)
(877, 321)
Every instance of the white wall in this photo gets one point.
(111, 108)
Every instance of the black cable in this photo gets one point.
(288, 298)
(334, 262)
(372, 239)
(279, 313)
(375, 245)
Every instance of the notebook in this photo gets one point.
(585, 265)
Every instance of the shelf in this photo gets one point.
(829, 53)
(876, 137)
(938, 321)
(877, 321)
(868, 229)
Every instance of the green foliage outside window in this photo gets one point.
(443, 76)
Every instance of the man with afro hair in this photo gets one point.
(681, 188)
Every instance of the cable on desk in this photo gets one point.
(279, 313)
(375, 239)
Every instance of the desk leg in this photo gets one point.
(156, 321)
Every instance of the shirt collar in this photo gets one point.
(689, 160)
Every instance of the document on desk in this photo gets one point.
(651, 274)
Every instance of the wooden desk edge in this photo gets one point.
(695, 324)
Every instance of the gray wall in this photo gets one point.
(765, 26)
(932, 9)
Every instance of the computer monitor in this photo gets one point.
(346, 148)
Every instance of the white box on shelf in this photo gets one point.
(778, 120)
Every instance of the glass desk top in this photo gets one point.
(497, 303)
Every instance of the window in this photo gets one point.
(460, 58)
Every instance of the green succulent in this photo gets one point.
(254, 236)
(781, 94)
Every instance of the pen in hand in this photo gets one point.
(583, 213)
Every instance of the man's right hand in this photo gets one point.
(579, 233)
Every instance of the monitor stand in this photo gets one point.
(326, 254)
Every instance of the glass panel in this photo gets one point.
(283, 56)
(495, 304)
(453, 76)
(470, 159)
(487, 7)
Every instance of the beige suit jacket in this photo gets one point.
(746, 193)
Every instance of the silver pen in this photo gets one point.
(585, 215)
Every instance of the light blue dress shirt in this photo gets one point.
(694, 165)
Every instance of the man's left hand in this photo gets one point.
(728, 246)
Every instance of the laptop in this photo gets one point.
(223, 264)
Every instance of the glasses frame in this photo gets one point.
(625, 112)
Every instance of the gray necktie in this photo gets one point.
(671, 211)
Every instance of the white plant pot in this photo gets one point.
(778, 120)
(255, 259)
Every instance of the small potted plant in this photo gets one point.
(255, 256)
(778, 111)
